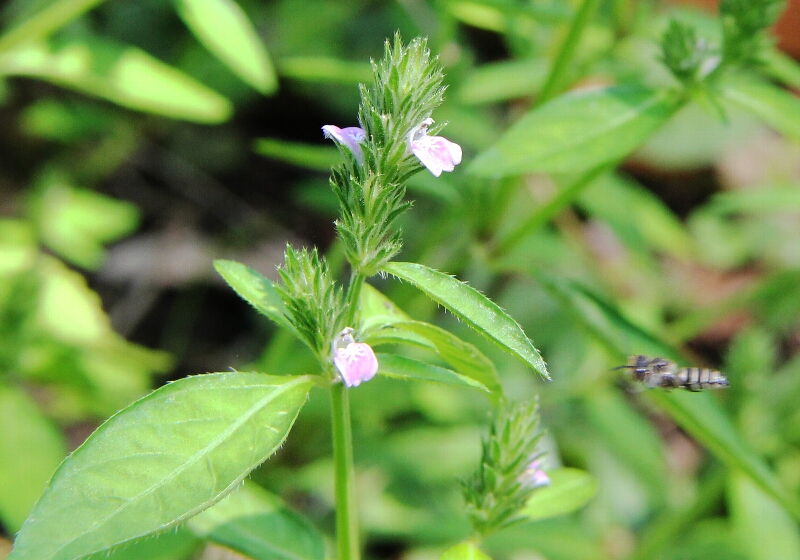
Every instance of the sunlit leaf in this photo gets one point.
(126, 76)
(32, 448)
(569, 489)
(254, 522)
(464, 551)
(17, 246)
(47, 18)
(223, 27)
(310, 156)
(577, 132)
(475, 309)
(160, 461)
(401, 367)
(500, 81)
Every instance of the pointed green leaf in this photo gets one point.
(462, 356)
(578, 131)
(256, 523)
(377, 311)
(779, 109)
(126, 76)
(471, 306)
(223, 27)
(569, 489)
(401, 367)
(32, 448)
(464, 551)
(160, 461)
(761, 526)
(49, 17)
(310, 156)
(255, 289)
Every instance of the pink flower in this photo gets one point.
(435, 152)
(350, 137)
(356, 362)
(534, 476)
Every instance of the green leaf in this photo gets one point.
(75, 223)
(126, 76)
(68, 309)
(256, 523)
(569, 489)
(401, 367)
(320, 69)
(165, 458)
(255, 289)
(310, 156)
(177, 544)
(471, 306)
(38, 25)
(501, 81)
(778, 108)
(377, 311)
(18, 248)
(464, 551)
(764, 529)
(223, 27)
(462, 356)
(32, 448)
(578, 131)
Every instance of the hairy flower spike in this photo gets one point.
(509, 471)
(435, 152)
(386, 149)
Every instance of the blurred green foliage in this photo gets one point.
(673, 235)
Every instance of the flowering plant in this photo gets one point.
(206, 433)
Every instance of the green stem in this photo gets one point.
(346, 520)
(568, 48)
(344, 472)
(546, 212)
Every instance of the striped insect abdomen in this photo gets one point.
(697, 379)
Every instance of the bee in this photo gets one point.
(660, 372)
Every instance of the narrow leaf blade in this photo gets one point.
(160, 461)
(255, 289)
(401, 367)
(223, 27)
(469, 305)
(578, 131)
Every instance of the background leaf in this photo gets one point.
(32, 448)
(165, 458)
(569, 489)
(124, 75)
(254, 522)
(223, 27)
(577, 132)
(778, 108)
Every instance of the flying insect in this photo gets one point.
(663, 373)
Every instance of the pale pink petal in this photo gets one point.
(434, 152)
(356, 362)
(534, 476)
(350, 137)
